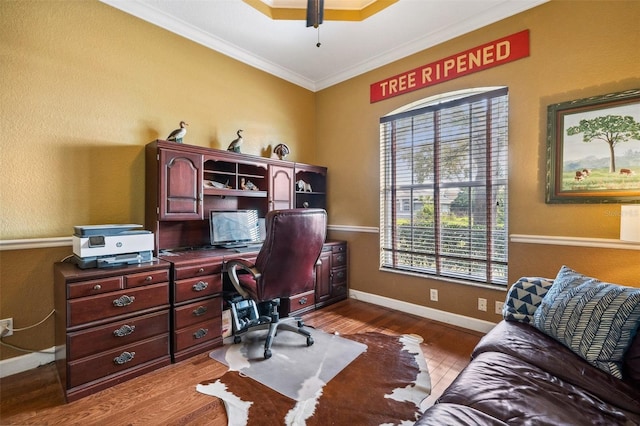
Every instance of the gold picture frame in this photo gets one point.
(593, 149)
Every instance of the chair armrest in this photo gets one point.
(244, 265)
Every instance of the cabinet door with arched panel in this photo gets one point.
(280, 187)
(180, 185)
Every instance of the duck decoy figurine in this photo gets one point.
(235, 145)
(281, 150)
(178, 134)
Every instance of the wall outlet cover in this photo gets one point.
(434, 295)
(6, 327)
(482, 304)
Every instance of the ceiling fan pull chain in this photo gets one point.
(318, 43)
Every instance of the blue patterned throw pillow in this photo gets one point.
(524, 297)
(596, 320)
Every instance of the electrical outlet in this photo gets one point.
(434, 295)
(482, 304)
(6, 327)
(499, 306)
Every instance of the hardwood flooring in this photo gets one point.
(167, 396)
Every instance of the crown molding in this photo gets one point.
(183, 29)
(430, 39)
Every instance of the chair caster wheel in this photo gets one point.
(237, 339)
(309, 341)
(267, 353)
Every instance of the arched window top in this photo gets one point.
(442, 98)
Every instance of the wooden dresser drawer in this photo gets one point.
(94, 308)
(144, 278)
(339, 290)
(339, 259)
(196, 334)
(117, 360)
(302, 300)
(197, 287)
(93, 287)
(182, 272)
(194, 313)
(115, 334)
(338, 276)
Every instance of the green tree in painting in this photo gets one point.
(611, 129)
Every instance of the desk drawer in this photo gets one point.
(338, 259)
(302, 301)
(144, 278)
(182, 272)
(338, 276)
(116, 360)
(196, 334)
(197, 287)
(194, 313)
(94, 287)
(115, 334)
(94, 308)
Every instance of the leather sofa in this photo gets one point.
(519, 375)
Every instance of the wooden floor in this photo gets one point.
(167, 396)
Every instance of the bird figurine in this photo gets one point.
(281, 150)
(235, 145)
(178, 134)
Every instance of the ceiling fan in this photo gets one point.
(315, 13)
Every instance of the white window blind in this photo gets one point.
(443, 196)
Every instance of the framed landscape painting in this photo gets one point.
(593, 149)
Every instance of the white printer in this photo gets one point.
(103, 246)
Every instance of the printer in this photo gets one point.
(104, 246)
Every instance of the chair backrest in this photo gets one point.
(292, 246)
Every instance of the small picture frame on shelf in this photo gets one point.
(593, 149)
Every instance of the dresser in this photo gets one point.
(111, 324)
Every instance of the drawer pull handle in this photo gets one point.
(340, 258)
(302, 301)
(201, 270)
(200, 333)
(149, 278)
(200, 285)
(123, 301)
(125, 330)
(124, 358)
(97, 287)
(201, 310)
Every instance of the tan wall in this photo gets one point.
(578, 49)
(83, 88)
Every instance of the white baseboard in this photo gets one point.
(26, 362)
(422, 311)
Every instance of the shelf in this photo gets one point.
(309, 193)
(244, 175)
(220, 172)
(234, 193)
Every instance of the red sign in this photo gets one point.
(498, 52)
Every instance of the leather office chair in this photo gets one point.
(285, 266)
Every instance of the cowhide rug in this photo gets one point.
(384, 385)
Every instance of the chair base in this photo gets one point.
(273, 321)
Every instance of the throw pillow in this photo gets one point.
(596, 320)
(524, 297)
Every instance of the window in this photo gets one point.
(443, 188)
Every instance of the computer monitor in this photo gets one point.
(234, 228)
